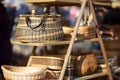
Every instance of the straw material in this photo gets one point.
(39, 28)
(53, 63)
(85, 64)
(86, 30)
(23, 73)
(51, 77)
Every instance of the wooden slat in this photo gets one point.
(40, 44)
(50, 43)
(91, 76)
(68, 2)
(95, 75)
(62, 1)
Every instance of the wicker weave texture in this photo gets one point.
(53, 63)
(23, 73)
(39, 28)
(85, 64)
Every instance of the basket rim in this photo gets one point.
(39, 15)
(3, 67)
(87, 27)
(49, 57)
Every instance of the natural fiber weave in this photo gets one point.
(85, 64)
(39, 28)
(86, 30)
(51, 77)
(54, 63)
(23, 73)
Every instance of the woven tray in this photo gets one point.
(54, 63)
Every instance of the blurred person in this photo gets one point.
(73, 13)
(40, 10)
(100, 12)
(64, 11)
(21, 7)
(112, 17)
(11, 10)
(5, 34)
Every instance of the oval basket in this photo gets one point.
(39, 28)
(23, 73)
(54, 63)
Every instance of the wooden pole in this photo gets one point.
(72, 40)
(104, 55)
(101, 43)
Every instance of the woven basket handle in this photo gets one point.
(28, 22)
(52, 73)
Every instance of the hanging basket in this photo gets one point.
(23, 73)
(39, 28)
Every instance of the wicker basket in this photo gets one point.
(51, 77)
(85, 65)
(23, 73)
(39, 28)
(54, 63)
(86, 30)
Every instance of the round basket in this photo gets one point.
(54, 63)
(23, 73)
(39, 28)
(85, 64)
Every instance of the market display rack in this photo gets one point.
(71, 42)
(69, 2)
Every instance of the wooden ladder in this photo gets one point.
(73, 39)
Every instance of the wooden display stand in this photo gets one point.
(73, 38)
(71, 42)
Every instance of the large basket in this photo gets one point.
(23, 73)
(39, 28)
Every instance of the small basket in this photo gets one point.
(23, 73)
(54, 63)
(86, 30)
(39, 28)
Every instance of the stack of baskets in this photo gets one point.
(53, 63)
